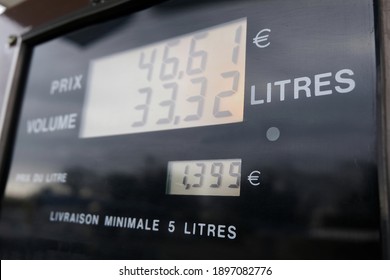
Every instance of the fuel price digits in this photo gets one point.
(187, 91)
(205, 177)
(179, 83)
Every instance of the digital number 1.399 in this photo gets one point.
(206, 177)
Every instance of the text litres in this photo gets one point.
(51, 124)
(319, 85)
(66, 84)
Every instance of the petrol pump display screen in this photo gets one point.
(198, 130)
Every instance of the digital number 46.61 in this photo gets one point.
(166, 64)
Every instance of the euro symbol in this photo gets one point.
(254, 178)
(260, 39)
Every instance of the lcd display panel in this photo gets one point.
(199, 130)
(205, 177)
(179, 83)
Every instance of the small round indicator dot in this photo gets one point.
(273, 134)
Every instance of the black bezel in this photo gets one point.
(112, 9)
